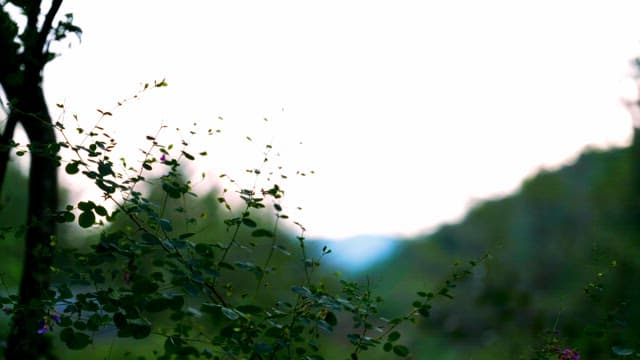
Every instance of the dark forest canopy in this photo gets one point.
(563, 257)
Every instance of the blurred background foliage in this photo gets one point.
(563, 265)
(564, 258)
(13, 211)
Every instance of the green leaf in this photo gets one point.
(80, 325)
(72, 168)
(282, 249)
(331, 318)
(262, 348)
(394, 336)
(229, 313)
(226, 265)
(91, 174)
(425, 310)
(74, 340)
(119, 320)
(262, 233)
(101, 211)
(107, 186)
(139, 329)
(274, 332)
(622, 351)
(248, 222)
(401, 350)
(149, 239)
(104, 168)
(302, 291)
(250, 309)
(157, 305)
(204, 250)
(65, 292)
(245, 265)
(188, 156)
(69, 216)
(176, 302)
(86, 205)
(175, 345)
(171, 190)
(66, 334)
(165, 224)
(86, 219)
(191, 288)
(93, 324)
(144, 286)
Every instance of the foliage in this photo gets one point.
(240, 286)
(223, 277)
(218, 291)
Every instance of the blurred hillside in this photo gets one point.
(563, 257)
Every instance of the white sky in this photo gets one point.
(409, 111)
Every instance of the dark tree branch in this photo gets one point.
(32, 9)
(8, 48)
(48, 23)
(30, 34)
(9, 68)
(5, 146)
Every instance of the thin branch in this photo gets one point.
(48, 22)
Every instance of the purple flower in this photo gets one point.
(7, 310)
(163, 158)
(568, 354)
(44, 328)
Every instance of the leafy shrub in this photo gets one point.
(157, 270)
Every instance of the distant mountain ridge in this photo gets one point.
(358, 253)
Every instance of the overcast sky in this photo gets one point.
(408, 111)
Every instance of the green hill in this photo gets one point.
(564, 256)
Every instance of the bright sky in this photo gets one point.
(409, 111)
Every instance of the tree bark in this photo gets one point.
(21, 79)
(24, 342)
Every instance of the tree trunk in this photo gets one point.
(24, 341)
(22, 60)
